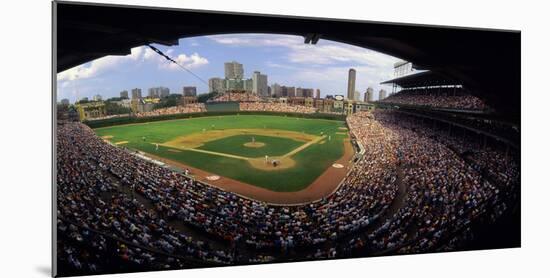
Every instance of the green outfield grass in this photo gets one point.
(309, 162)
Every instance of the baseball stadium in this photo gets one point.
(246, 173)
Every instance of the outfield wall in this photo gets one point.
(222, 106)
(134, 120)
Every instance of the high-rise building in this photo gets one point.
(233, 70)
(136, 93)
(276, 90)
(152, 93)
(164, 92)
(369, 94)
(124, 94)
(97, 98)
(65, 102)
(158, 92)
(304, 92)
(381, 94)
(357, 96)
(288, 91)
(248, 85)
(317, 94)
(189, 91)
(351, 84)
(216, 84)
(234, 84)
(259, 84)
(308, 92)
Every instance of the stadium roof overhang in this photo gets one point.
(487, 63)
(421, 79)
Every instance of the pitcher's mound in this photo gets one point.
(254, 144)
(282, 163)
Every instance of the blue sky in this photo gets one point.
(285, 59)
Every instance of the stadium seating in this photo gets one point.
(275, 107)
(411, 191)
(436, 98)
(180, 109)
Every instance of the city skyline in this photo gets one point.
(286, 60)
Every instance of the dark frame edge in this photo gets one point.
(54, 137)
(114, 5)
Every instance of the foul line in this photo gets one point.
(217, 153)
(300, 148)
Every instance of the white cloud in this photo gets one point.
(90, 69)
(253, 40)
(331, 53)
(193, 61)
(278, 65)
(333, 79)
(323, 53)
(149, 54)
(141, 54)
(324, 65)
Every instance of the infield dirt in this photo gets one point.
(322, 187)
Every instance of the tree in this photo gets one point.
(204, 97)
(112, 108)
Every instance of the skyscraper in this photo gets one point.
(164, 92)
(276, 90)
(357, 96)
(369, 95)
(152, 93)
(233, 70)
(304, 92)
(248, 85)
(189, 91)
(136, 93)
(234, 84)
(259, 84)
(124, 94)
(351, 84)
(381, 94)
(318, 94)
(216, 84)
(288, 91)
(158, 92)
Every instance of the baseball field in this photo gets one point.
(277, 153)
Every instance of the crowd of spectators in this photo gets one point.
(443, 191)
(491, 160)
(89, 167)
(276, 107)
(89, 194)
(435, 98)
(502, 129)
(179, 109)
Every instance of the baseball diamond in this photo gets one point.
(249, 150)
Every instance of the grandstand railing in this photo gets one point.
(429, 107)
